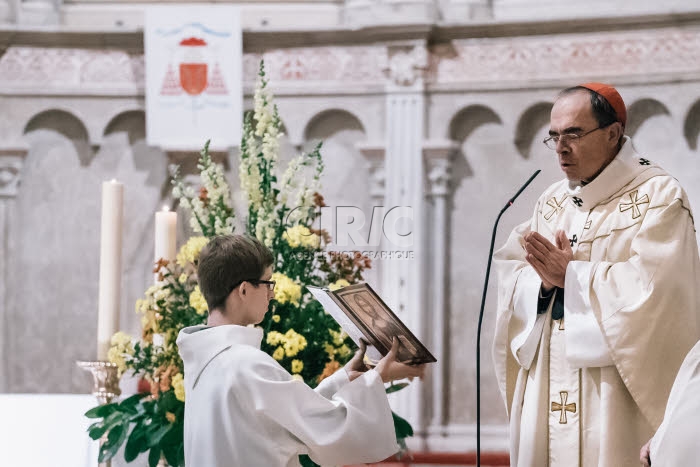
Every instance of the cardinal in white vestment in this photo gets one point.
(598, 296)
(677, 441)
(242, 409)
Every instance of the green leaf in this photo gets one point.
(154, 457)
(101, 411)
(396, 387)
(402, 427)
(306, 461)
(96, 430)
(134, 400)
(115, 439)
(170, 453)
(136, 443)
(154, 435)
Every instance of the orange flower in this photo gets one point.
(318, 200)
(170, 416)
(330, 368)
(165, 378)
(161, 263)
(204, 196)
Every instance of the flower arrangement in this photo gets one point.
(299, 334)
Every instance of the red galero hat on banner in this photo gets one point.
(612, 96)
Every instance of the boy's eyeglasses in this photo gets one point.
(270, 284)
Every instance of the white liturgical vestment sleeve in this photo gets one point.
(333, 430)
(526, 323)
(585, 343)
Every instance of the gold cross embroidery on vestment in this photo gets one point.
(636, 201)
(564, 407)
(556, 206)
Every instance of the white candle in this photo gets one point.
(166, 221)
(110, 265)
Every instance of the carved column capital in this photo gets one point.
(438, 159)
(407, 64)
(375, 153)
(11, 161)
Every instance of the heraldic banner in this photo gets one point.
(193, 76)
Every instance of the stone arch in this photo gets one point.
(691, 126)
(642, 110)
(131, 122)
(469, 119)
(69, 126)
(530, 122)
(327, 122)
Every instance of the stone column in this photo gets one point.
(461, 11)
(11, 161)
(438, 157)
(38, 12)
(403, 280)
(374, 12)
(7, 11)
(375, 154)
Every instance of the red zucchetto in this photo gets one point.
(612, 96)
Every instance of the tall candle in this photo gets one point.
(166, 221)
(110, 265)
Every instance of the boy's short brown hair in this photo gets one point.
(228, 260)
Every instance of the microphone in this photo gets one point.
(481, 317)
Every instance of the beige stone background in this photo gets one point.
(454, 93)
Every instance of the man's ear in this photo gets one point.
(616, 132)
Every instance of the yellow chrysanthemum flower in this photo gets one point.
(298, 378)
(178, 384)
(114, 355)
(276, 318)
(274, 338)
(182, 279)
(189, 253)
(293, 343)
(338, 337)
(297, 366)
(278, 354)
(198, 302)
(149, 323)
(286, 290)
(339, 284)
(330, 350)
(344, 351)
(121, 339)
(300, 235)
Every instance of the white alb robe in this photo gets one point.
(677, 441)
(244, 410)
(589, 390)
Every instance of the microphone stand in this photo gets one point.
(481, 317)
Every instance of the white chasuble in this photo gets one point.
(589, 390)
(242, 409)
(676, 441)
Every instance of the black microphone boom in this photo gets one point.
(481, 317)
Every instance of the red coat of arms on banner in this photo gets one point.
(195, 73)
(193, 67)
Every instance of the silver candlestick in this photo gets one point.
(105, 388)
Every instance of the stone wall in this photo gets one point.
(447, 119)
